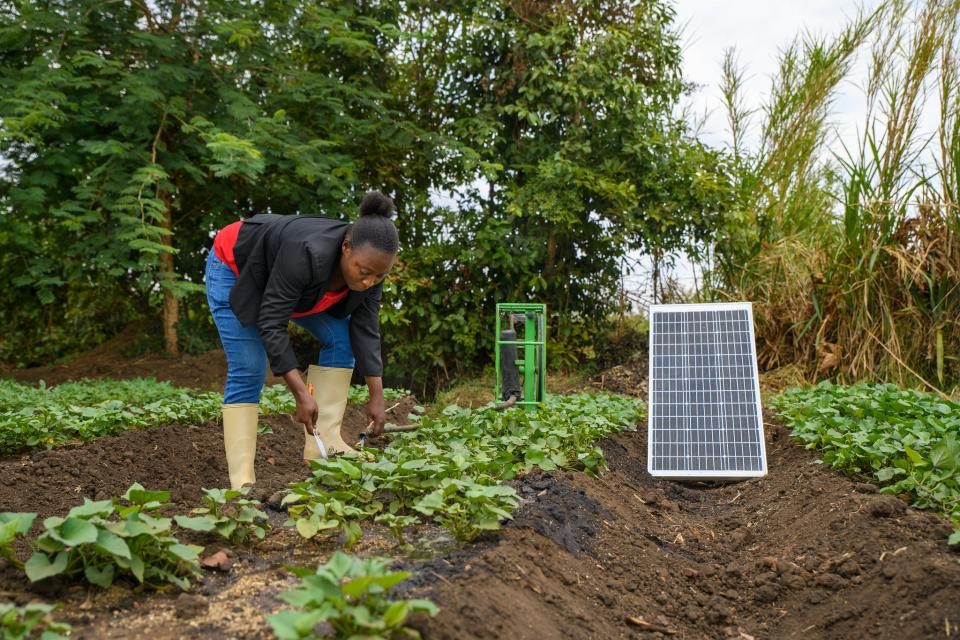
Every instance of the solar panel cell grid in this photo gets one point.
(704, 405)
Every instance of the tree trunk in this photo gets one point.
(171, 306)
(551, 252)
(656, 275)
(168, 276)
(171, 314)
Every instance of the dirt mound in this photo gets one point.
(560, 511)
(628, 377)
(625, 379)
(112, 359)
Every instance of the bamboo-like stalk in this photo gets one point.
(852, 261)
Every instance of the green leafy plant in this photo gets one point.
(277, 399)
(396, 524)
(44, 417)
(13, 525)
(359, 394)
(324, 511)
(451, 470)
(904, 440)
(20, 623)
(467, 507)
(351, 595)
(106, 539)
(227, 513)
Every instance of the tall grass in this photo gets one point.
(853, 258)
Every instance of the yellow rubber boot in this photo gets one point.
(240, 441)
(330, 386)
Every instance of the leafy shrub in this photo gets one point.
(23, 622)
(904, 440)
(227, 513)
(137, 543)
(350, 594)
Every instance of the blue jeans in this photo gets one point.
(246, 357)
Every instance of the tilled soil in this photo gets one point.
(206, 371)
(801, 553)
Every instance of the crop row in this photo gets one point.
(452, 468)
(904, 440)
(45, 417)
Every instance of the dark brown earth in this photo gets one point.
(801, 553)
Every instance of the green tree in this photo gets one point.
(529, 145)
(571, 158)
(131, 130)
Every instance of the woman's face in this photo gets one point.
(364, 266)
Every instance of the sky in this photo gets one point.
(758, 30)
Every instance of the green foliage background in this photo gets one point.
(529, 146)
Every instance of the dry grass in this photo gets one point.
(853, 261)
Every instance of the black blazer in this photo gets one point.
(285, 263)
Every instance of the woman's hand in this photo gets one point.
(375, 409)
(377, 415)
(307, 410)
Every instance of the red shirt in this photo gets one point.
(223, 245)
(326, 301)
(223, 248)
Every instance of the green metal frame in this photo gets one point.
(534, 335)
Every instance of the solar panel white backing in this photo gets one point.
(704, 417)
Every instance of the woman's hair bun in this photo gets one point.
(375, 203)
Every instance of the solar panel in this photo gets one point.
(704, 411)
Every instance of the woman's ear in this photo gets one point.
(345, 248)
